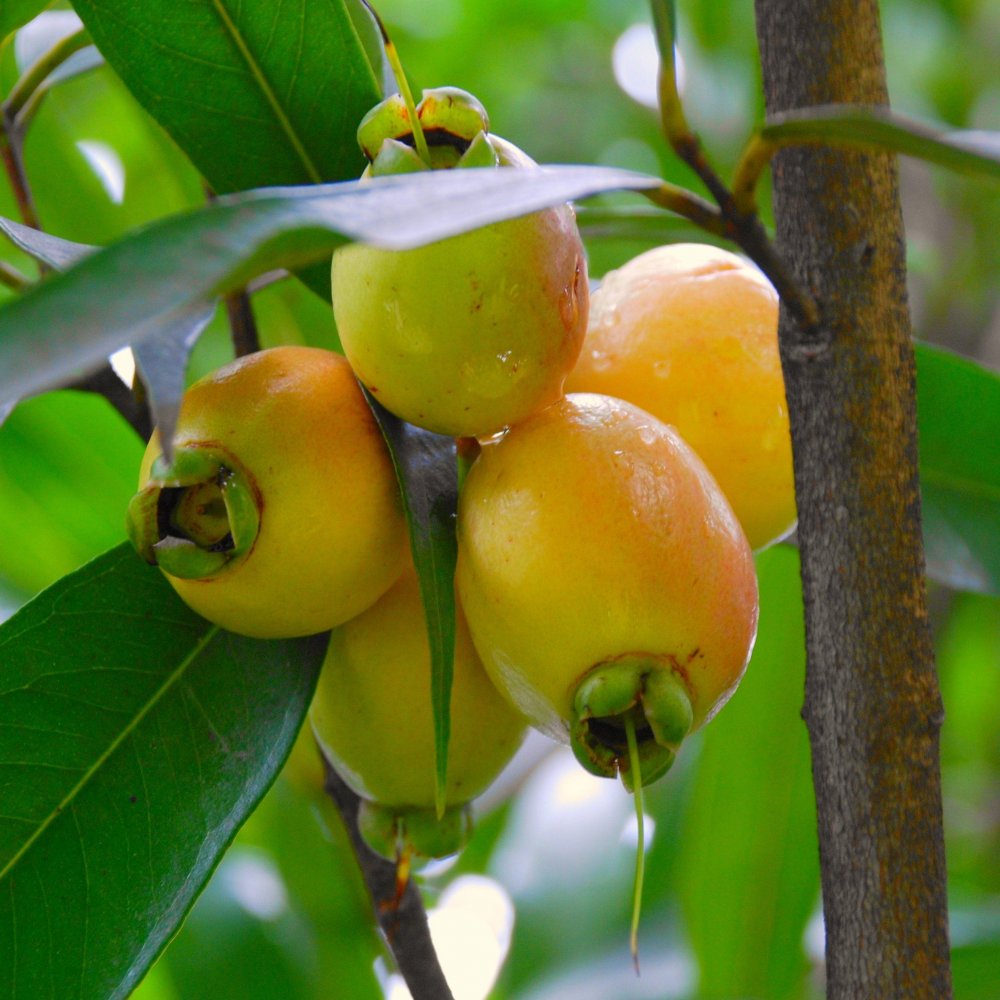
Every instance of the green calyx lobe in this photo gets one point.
(198, 516)
(394, 830)
(453, 122)
(646, 691)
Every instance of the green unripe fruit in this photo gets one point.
(473, 333)
(280, 514)
(372, 715)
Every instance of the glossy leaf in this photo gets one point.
(371, 40)
(161, 349)
(114, 297)
(98, 165)
(427, 470)
(255, 93)
(972, 152)
(958, 409)
(135, 738)
(748, 867)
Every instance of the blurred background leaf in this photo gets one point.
(748, 870)
(958, 408)
(68, 468)
(14, 13)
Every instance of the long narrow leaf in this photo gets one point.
(161, 347)
(135, 738)
(110, 298)
(971, 152)
(427, 470)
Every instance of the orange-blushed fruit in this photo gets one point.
(689, 332)
(279, 514)
(372, 716)
(605, 577)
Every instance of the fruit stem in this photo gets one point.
(404, 858)
(419, 141)
(640, 833)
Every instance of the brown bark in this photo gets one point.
(872, 703)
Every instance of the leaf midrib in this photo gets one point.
(268, 92)
(111, 749)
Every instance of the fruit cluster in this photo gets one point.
(605, 587)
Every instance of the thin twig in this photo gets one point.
(242, 325)
(239, 310)
(12, 277)
(737, 219)
(36, 74)
(748, 232)
(11, 148)
(690, 206)
(757, 155)
(404, 921)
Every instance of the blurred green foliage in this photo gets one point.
(732, 887)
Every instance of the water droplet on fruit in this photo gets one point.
(647, 434)
(661, 369)
(408, 337)
(600, 361)
(609, 316)
(769, 440)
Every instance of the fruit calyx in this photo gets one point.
(644, 690)
(397, 831)
(197, 516)
(453, 123)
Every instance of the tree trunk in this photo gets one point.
(872, 703)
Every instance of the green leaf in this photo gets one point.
(665, 29)
(958, 412)
(748, 866)
(114, 296)
(161, 350)
(57, 253)
(162, 359)
(305, 835)
(970, 152)
(14, 13)
(371, 39)
(253, 955)
(135, 738)
(254, 92)
(427, 471)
